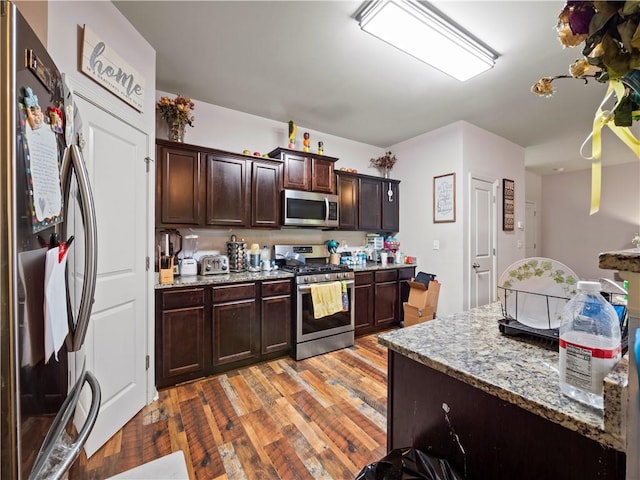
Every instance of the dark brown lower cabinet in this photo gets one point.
(386, 297)
(206, 330)
(364, 306)
(180, 335)
(379, 295)
(276, 317)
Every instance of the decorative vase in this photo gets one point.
(385, 172)
(176, 132)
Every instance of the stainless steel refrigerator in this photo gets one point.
(45, 304)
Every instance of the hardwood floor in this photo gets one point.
(321, 418)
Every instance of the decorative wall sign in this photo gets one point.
(444, 198)
(103, 65)
(508, 205)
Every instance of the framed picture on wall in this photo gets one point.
(508, 204)
(444, 198)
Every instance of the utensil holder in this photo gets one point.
(166, 269)
(334, 259)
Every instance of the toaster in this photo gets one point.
(214, 264)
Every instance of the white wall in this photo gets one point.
(234, 131)
(492, 158)
(533, 193)
(35, 13)
(66, 19)
(467, 151)
(419, 160)
(573, 237)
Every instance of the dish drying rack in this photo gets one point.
(550, 336)
(511, 326)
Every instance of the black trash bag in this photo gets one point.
(409, 464)
(425, 278)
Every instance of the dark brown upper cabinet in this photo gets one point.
(207, 187)
(368, 203)
(306, 171)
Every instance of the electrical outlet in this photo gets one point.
(436, 244)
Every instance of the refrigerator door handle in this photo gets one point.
(73, 161)
(54, 444)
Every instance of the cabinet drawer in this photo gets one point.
(364, 278)
(183, 298)
(406, 273)
(234, 292)
(281, 287)
(386, 275)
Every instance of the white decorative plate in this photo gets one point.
(539, 288)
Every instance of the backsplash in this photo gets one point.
(216, 239)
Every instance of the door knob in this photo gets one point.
(475, 265)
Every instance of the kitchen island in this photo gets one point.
(491, 404)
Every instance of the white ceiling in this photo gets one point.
(308, 61)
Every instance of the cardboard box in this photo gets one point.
(422, 304)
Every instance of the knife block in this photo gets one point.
(166, 269)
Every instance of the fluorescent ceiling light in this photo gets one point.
(414, 28)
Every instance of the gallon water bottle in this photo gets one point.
(589, 344)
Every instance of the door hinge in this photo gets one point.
(535, 212)
(146, 362)
(147, 263)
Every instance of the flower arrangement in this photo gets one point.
(385, 162)
(636, 240)
(611, 50)
(176, 111)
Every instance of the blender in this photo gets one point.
(188, 264)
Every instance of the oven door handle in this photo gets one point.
(307, 288)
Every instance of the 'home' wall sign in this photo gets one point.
(104, 66)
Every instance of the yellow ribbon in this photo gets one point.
(602, 118)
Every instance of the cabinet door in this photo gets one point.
(178, 187)
(297, 172)
(364, 314)
(265, 194)
(390, 207)
(227, 191)
(182, 348)
(276, 324)
(322, 179)
(369, 208)
(386, 301)
(386, 296)
(235, 332)
(348, 198)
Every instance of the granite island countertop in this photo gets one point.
(469, 347)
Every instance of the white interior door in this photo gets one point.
(116, 343)
(530, 230)
(482, 249)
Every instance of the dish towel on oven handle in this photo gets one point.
(326, 298)
(345, 297)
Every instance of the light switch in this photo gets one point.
(436, 244)
(519, 243)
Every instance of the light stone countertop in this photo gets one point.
(239, 277)
(469, 347)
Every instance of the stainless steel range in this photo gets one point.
(314, 336)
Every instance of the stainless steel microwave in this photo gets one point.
(309, 209)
